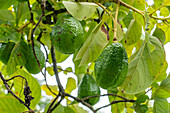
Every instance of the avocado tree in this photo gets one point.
(117, 45)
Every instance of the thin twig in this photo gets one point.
(115, 21)
(49, 108)
(109, 94)
(82, 101)
(55, 106)
(9, 90)
(114, 102)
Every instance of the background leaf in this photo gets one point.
(71, 85)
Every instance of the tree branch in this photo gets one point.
(61, 89)
(114, 102)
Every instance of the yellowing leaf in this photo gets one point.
(71, 85)
(166, 30)
(80, 10)
(145, 65)
(54, 88)
(167, 2)
(164, 12)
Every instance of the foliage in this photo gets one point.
(27, 32)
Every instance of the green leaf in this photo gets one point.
(59, 56)
(53, 88)
(162, 74)
(69, 69)
(159, 33)
(141, 98)
(139, 4)
(9, 104)
(167, 2)
(117, 107)
(71, 85)
(165, 84)
(5, 4)
(7, 16)
(141, 108)
(22, 12)
(50, 70)
(18, 56)
(160, 105)
(32, 83)
(158, 3)
(145, 65)
(8, 33)
(166, 30)
(134, 32)
(78, 109)
(60, 109)
(164, 12)
(93, 46)
(128, 19)
(80, 10)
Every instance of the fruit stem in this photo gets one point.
(115, 21)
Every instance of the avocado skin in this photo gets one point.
(111, 66)
(67, 34)
(31, 65)
(5, 51)
(88, 87)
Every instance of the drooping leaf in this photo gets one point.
(159, 33)
(8, 33)
(145, 65)
(93, 46)
(166, 30)
(18, 56)
(32, 83)
(22, 12)
(81, 10)
(160, 105)
(128, 19)
(71, 85)
(54, 89)
(134, 32)
(9, 104)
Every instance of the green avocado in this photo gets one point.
(31, 65)
(111, 66)
(67, 34)
(5, 51)
(88, 87)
